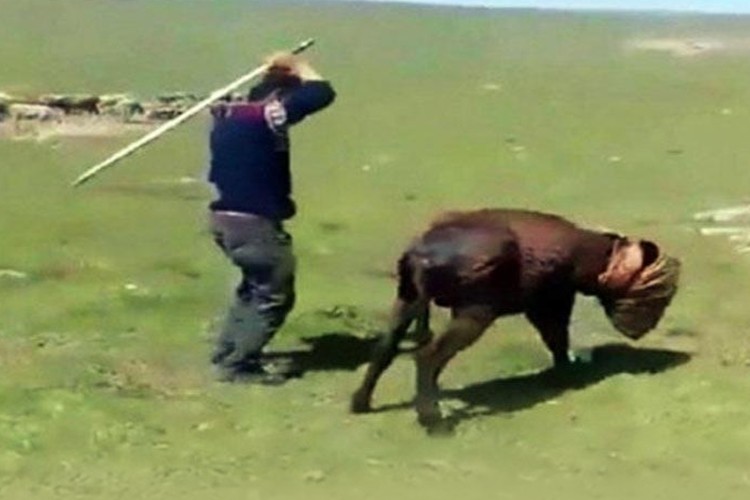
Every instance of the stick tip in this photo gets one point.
(80, 180)
(304, 45)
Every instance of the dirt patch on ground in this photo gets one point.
(70, 127)
(690, 47)
(730, 222)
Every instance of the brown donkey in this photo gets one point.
(490, 263)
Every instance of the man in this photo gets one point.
(250, 170)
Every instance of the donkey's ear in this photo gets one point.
(650, 251)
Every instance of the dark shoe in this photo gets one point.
(282, 365)
(250, 374)
(261, 377)
(222, 350)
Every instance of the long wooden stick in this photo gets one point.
(186, 115)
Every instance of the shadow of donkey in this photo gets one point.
(505, 395)
(335, 351)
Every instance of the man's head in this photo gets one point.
(281, 76)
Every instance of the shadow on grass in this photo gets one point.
(504, 395)
(329, 351)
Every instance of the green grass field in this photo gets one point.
(106, 390)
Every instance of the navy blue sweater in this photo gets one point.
(250, 152)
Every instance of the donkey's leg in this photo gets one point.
(403, 314)
(550, 314)
(466, 326)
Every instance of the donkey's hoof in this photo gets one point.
(430, 419)
(360, 404)
(444, 427)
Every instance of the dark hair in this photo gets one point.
(276, 82)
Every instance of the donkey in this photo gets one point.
(495, 262)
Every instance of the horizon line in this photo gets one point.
(553, 8)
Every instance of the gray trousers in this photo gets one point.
(262, 250)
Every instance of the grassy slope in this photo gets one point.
(107, 393)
